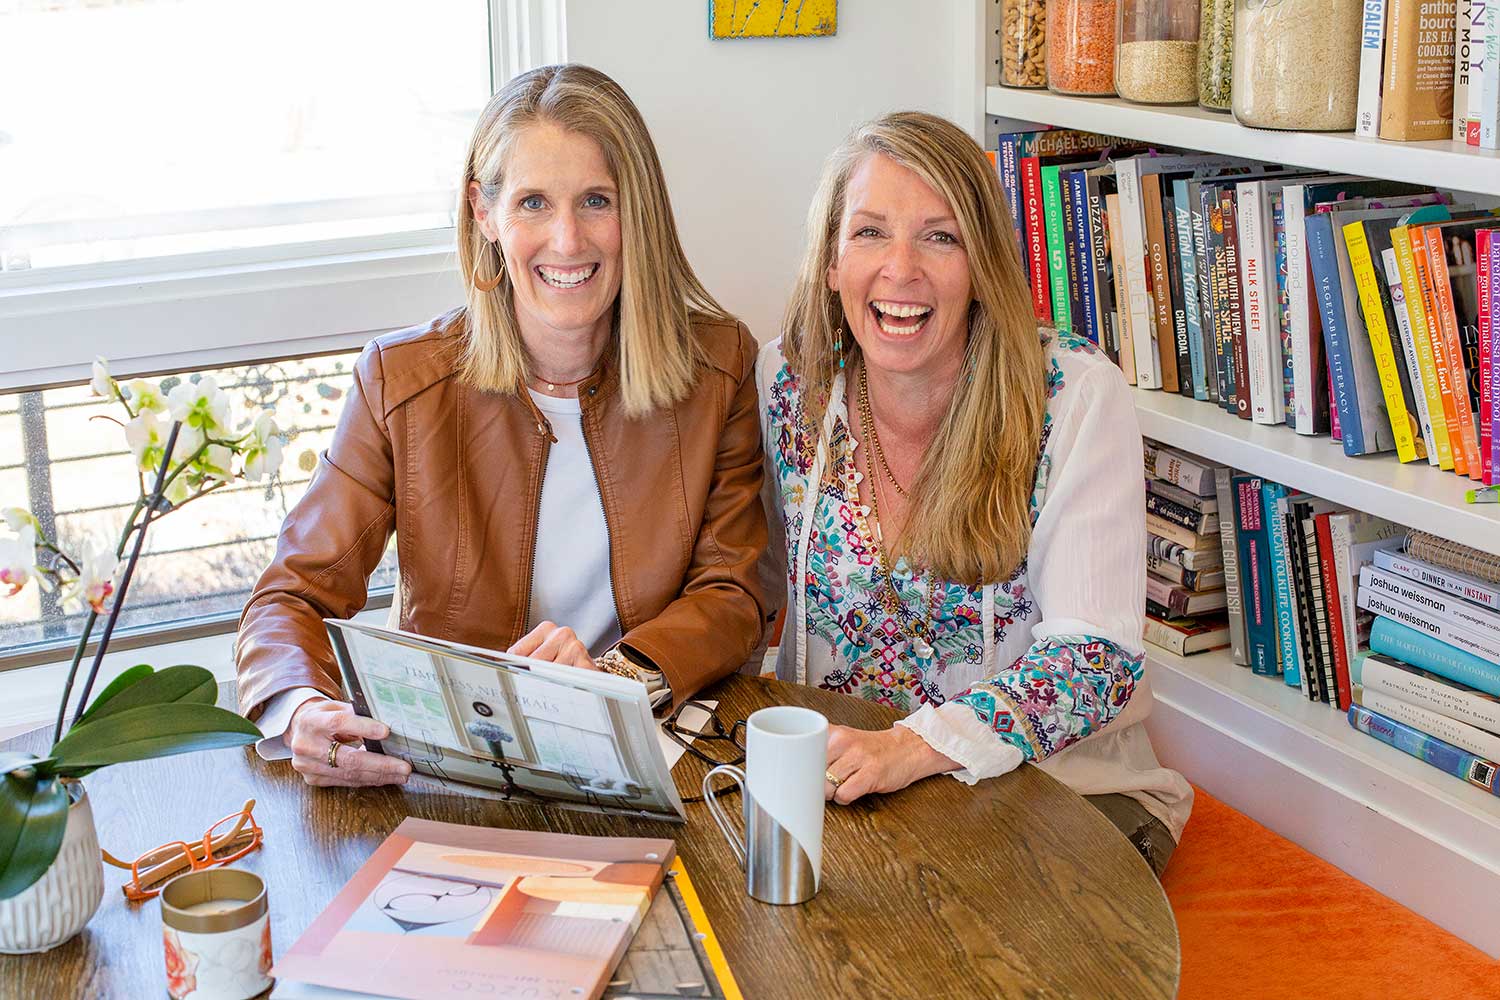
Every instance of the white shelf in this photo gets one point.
(1414, 832)
(1414, 494)
(1442, 164)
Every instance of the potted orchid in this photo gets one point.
(186, 442)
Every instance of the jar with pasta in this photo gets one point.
(1296, 63)
(1081, 46)
(1215, 54)
(1023, 43)
(1156, 61)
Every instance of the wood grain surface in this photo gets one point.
(1015, 887)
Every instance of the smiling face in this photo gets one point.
(558, 223)
(901, 271)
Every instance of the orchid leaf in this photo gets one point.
(33, 818)
(152, 730)
(179, 684)
(120, 683)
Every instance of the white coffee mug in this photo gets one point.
(786, 755)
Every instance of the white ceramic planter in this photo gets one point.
(66, 897)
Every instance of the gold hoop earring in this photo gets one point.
(490, 284)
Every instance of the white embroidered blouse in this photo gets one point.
(1045, 666)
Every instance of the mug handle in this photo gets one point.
(711, 799)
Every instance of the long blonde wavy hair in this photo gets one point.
(658, 353)
(969, 514)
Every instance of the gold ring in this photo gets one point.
(835, 782)
(333, 753)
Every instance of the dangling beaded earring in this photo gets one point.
(838, 345)
(490, 284)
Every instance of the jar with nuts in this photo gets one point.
(1023, 43)
(1081, 46)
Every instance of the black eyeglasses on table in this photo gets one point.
(714, 745)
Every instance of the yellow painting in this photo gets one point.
(772, 18)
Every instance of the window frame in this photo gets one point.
(225, 308)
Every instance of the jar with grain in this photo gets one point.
(1081, 46)
(1296, 63)
(1157, 58)
(1023, 43)
(1215, 54)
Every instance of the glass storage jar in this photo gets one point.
(1023, 43)
(1157, 57)
(1215, 54)
(1296, 63)
(1081, 46)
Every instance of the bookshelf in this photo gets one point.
(1409, 830)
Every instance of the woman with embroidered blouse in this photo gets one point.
(957, 495)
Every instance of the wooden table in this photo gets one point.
(1015, 887)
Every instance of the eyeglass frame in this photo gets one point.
(155, 880)
(734, 735)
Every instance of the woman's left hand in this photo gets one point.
(883, 760)
(555, 643)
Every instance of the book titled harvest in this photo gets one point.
(447, 910)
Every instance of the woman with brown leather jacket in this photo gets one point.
(571, 464)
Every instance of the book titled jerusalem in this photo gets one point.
(1460, 763)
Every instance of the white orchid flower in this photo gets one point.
(147, 436)
(101, 384)
(178, 490)
(95, 584)
(18, 518)
(263, 456)
(18, 561)
(146, 397)
(215, 465)
(201, 405)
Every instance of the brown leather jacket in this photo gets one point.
(456, 473)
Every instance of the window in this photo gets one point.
(74, 472)
(137, 130)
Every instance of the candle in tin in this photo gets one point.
(217, 935)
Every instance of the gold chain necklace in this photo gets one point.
(921, 632)
(867, 420)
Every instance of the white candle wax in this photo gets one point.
(210, 907)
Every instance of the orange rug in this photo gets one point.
(1262, 919)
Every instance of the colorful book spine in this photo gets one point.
(1421, 265)
(1235, 306)
(1379, 333)
(1159, 282)
(1187, 253)
(1301, 606)
(1324, 262)
(1083, 251)
(1201, 265)
(1181, 514)
(1283, 309)
(1427, 363)
(1115, 218)
(1009, 168)
(1491, 307)
(1484, 285)
(1302, 311)
(1371, 55)
(1338, 621)
(1472, 52)
(1261, 351)
(1459, 734)
(1139, 320)
(1423, 622)
(1444, 607)
(1216, 297)
(1281, 581)
(1415, 686)
(1459, 763)
(1053, 216)
(1463, 35)
(1255, 561)
(1469, 588)
(1229, 542)
(1179, 310)
(1409, 350)
(1442, 292)
(1036, 239)
(1322, 604)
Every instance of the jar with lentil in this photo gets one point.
(1296, 63)
(1081, 46)
(1157, 58)
(1215, 54)
(1023, 43)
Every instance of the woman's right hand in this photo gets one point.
(317, 724)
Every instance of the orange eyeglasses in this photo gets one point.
(230, 839)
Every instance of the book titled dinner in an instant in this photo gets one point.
(442, 910)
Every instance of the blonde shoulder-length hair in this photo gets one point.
(969, 515)
(658, 354)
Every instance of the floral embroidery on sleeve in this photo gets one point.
(1062, 689)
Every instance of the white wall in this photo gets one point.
(743, 126)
